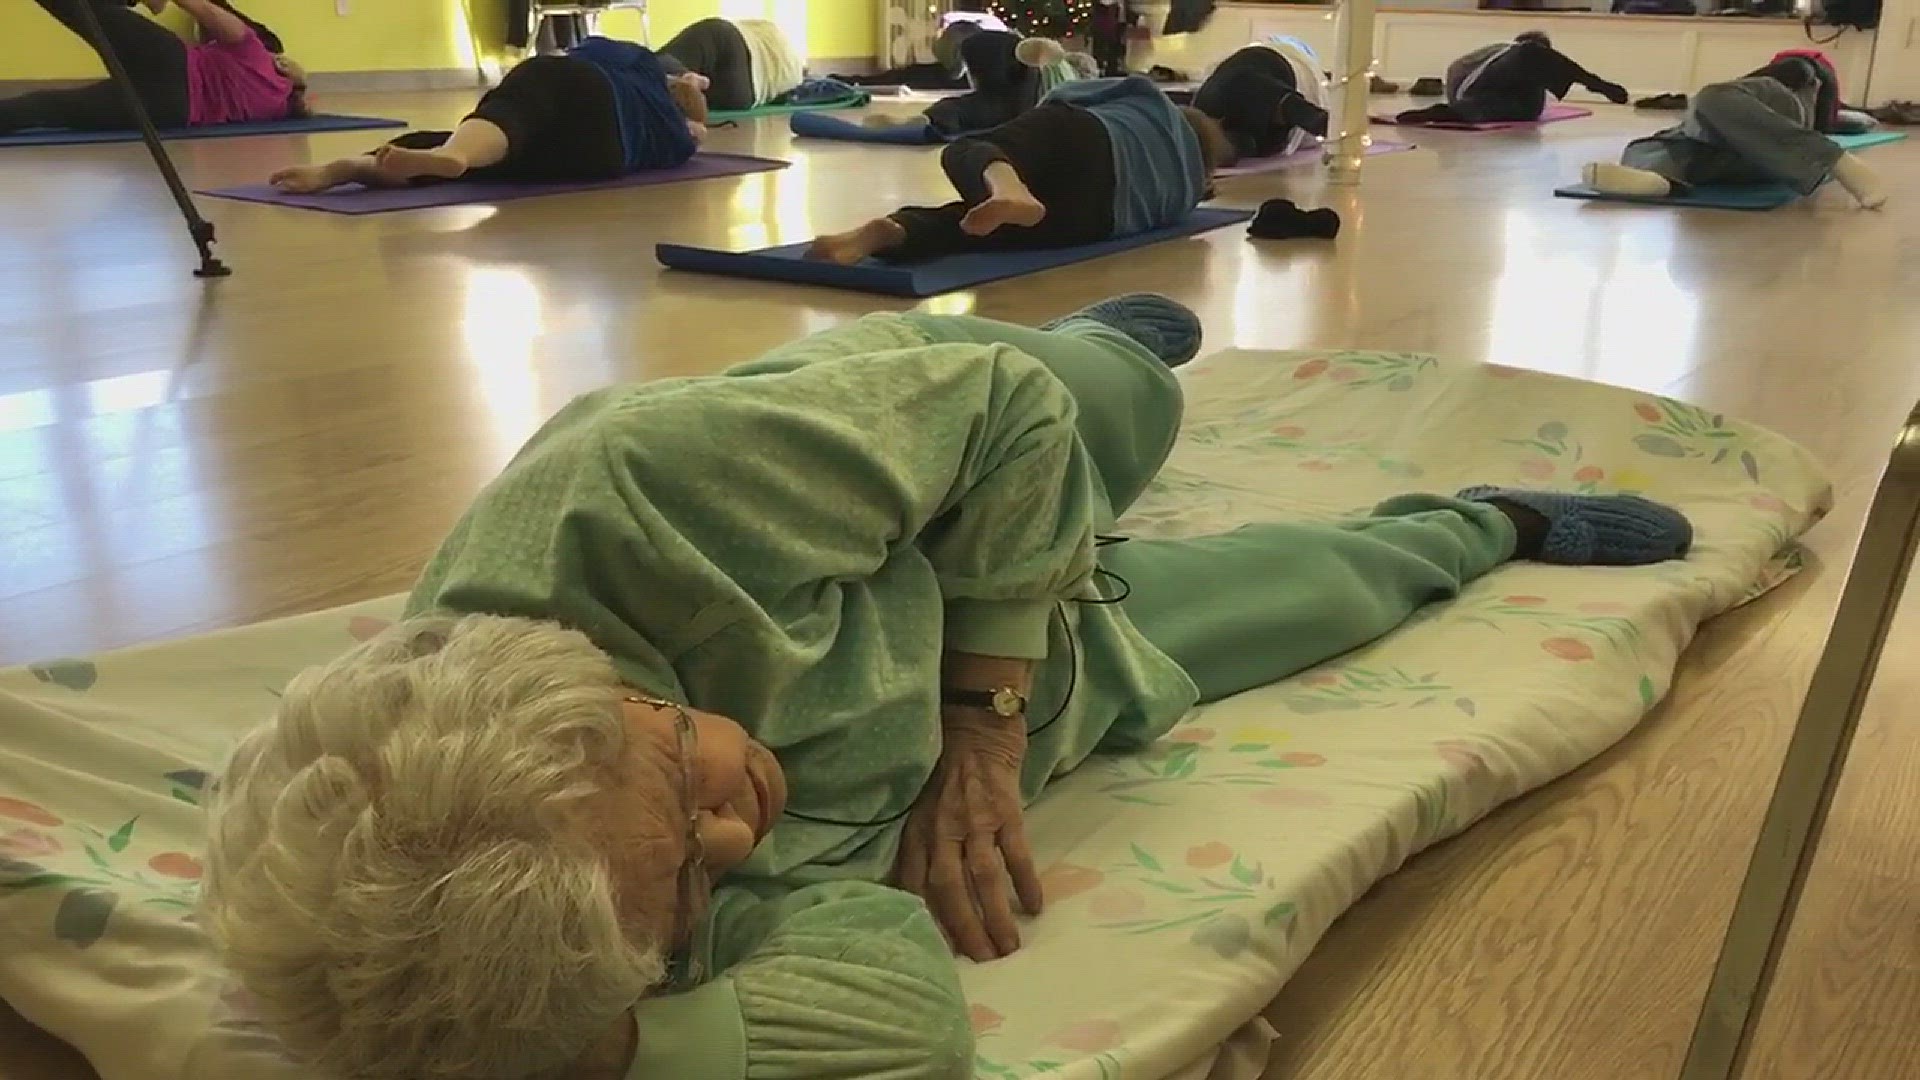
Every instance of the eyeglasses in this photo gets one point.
(687, 888)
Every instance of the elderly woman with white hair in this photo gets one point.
(721, 706)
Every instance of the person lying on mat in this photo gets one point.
(1099, 158)
(1268, 96)
(747, 63)
(229, 77)
(1006, 75)
(602, 109)
(749, 735)
(1510, 81)
(1767, 127)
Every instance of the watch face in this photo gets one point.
(1008, 702)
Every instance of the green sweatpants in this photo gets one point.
(1246, 608)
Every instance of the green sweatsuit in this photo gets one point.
(794, 543)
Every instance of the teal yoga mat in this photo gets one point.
(1732, 196)
(854, 102)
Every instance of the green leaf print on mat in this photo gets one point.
(1107, 1062)
(72, 674)
(1179, 758)
(1595, 618)
(1210, 901)
(1355, 687)
(1676, 430)
(90, 865)
(1394, 371)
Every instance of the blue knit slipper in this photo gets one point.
(1599, 530)
(1162, 324)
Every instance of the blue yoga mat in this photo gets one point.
(1732, 196)
(929, 278)
(318, 122)
(816, 125)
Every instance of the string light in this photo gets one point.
(1043, 17)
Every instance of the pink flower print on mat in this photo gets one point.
(982, 1019)
(1768, 501)
(1567, 648)
(31, 813)
(1189, 733)
(29, 844)
(1676, 430)
(1555, 449)
(1354, 370)
(1290, 431)
(1209, 855)
(1116, 903)
(1064, 881)
(365, 627)
(1462, 757)
(176, 864)
(1525, 601)
(1088, 1036)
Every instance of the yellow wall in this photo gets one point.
(409, 35)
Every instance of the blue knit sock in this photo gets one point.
(1595, 530)
(1164, 325)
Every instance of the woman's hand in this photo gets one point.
(967, 836)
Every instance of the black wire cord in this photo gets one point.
(1073, 679)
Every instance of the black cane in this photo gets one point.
(198, 227)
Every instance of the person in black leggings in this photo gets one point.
(158, 64)
(1510, 82)
(1256, 94)
(603, 109)
(716, 49)
(1048, 178)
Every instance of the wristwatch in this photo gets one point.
(1003, 702)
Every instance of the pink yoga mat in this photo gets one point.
(1554, 113)
(1307, 156)
(354, 199)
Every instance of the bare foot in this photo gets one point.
(1001, 210)
(309, 179)
(850, 247)
(882, 120)
(398, 165)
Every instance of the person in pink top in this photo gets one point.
(230, 76)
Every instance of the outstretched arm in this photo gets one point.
(216, 23)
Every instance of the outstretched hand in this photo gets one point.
(966, 837)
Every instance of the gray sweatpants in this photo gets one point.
(1749, 131)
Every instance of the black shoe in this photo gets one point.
(1427, 87)
(1378, 85)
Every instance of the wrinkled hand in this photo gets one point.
(967, 836)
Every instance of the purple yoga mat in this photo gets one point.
(1307, 156)
(1553, 114)
(354, 199)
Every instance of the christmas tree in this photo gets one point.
(1044, 18)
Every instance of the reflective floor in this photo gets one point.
(178, 455)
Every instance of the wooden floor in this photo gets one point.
(177, 456)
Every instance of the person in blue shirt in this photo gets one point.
(602, 109)
(1098, 158)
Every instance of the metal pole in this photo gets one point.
(198, 227)
(1815, 762)
(1353, 79)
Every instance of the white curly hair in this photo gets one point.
(396, 866)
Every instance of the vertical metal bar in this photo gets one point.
(198, 227)
(1815, 761)
(1353, 36)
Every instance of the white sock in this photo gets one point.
(1610, 179)
(1860, 181)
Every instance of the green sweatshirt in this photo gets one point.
(793, 544)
